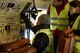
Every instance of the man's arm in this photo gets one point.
(28, 23)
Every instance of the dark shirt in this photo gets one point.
(72, 19)
(41, 40)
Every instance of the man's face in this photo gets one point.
(39, 21)
(56, 2)
(72, 10)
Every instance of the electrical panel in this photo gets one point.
(10, 20)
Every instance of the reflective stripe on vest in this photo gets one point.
(49, 48)
(59, 21)
(59, 24)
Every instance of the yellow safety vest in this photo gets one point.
(60, 21)
(49, 48)
(77, 43)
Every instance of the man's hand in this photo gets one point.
(68, 32)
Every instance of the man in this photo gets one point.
(43, 40)
(58, 12)
(74, 18)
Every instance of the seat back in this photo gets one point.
(66, 43)
(18, 46)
